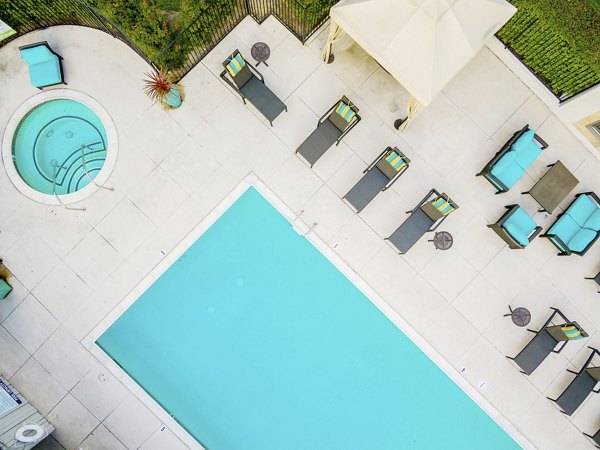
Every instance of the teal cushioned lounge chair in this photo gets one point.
(45, 65)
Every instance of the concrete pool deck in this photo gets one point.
(72, 268)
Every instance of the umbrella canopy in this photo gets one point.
(421, 43)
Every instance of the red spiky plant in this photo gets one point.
(157, 85)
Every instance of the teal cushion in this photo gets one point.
(517, 234)
(506, 160)
(581, 240)
(582, 209)
(5, 288)
(526, 150)
(45, 74)
(565, 228)
(593, 222)
(509, 175)
(37, 55)
(523, 141)
(521, 220)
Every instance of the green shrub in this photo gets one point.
(559, 40)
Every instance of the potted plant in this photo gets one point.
(161, 88)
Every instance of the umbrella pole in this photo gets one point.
(398, 122)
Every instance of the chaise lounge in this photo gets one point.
(595, 438)
(546, 340)
(582, 385)
(248, 82)
(45, 65)
(429, 213)
(510, 163)
(576, 230)
(516, 228)
(331, 128)
(379, 176)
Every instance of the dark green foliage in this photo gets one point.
(559, 40)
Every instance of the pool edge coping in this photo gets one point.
(305, 230)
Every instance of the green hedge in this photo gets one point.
(559, 40)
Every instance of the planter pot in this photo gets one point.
(173, 99)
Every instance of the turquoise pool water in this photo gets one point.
(253, 340)
(58, 146)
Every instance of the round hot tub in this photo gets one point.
(59, 146)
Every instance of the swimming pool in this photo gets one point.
(252, 339)
(58, 146)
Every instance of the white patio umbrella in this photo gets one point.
(421, 43)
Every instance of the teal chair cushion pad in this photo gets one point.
(582, 209)
(517, 234)
(565, 228)
(37, 55)
(5, 288)
(508, 174)
(581, 240)
(45, 74)
(593, 222)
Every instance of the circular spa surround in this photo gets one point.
(58, 146)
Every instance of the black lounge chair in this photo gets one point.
(584, 382)
(511, 161)
(595, 438)
(380, 175)
(544, 343)
(250, 85)
(331, 128)
(423, 218)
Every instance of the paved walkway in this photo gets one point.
(72, 268)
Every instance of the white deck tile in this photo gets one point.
(30, 324)
(93, 259)
(326, 210)
(125, 227)
(158, 196)
(156, 133)
(532, 112)
(100, 392)
(322, 89)
(356, 243)
(8, 304)
(163, 439)
(13, 354)
(418, 303)
(294, 183)
(449, 273)
(132, 423)
(190, 165)
(388, 273)
(44, 396)
(30, 260)
(62, 292)
(481, 303)
(102, 439)
(485, 92)
(63, 357)
(72, 421)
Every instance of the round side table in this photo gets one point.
(442, 240)
(520, 316)
(260, 52)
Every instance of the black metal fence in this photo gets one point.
(220, 17)
(180, 52)
(25, 16)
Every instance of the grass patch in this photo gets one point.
(559, 41)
